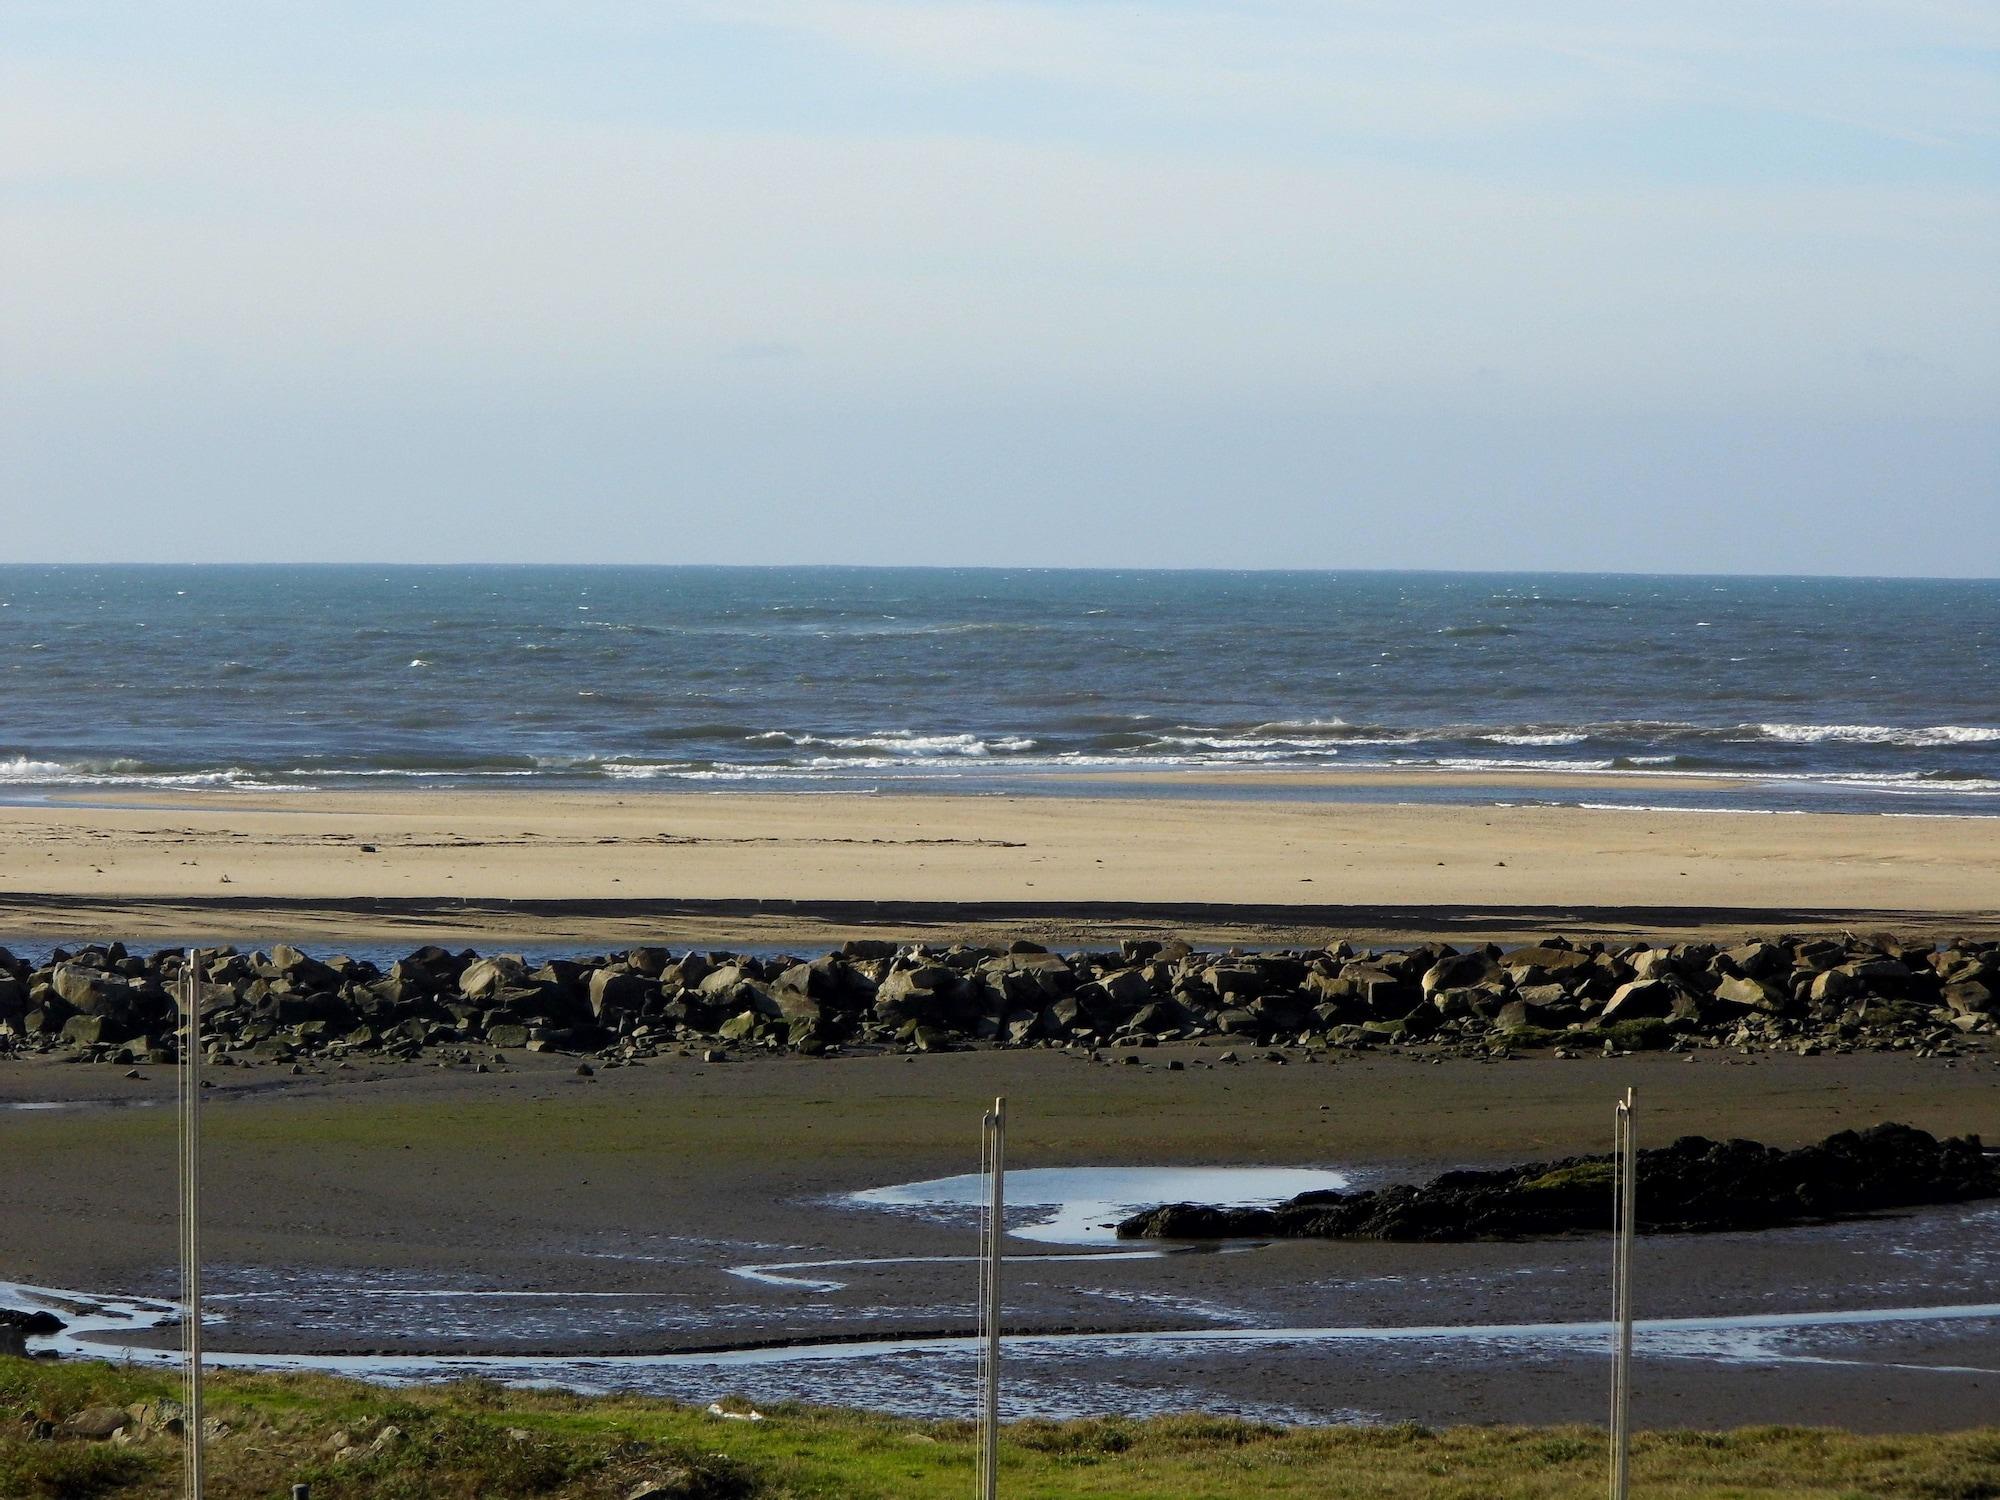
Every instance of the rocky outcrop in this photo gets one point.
(1694, 1185)
(1804, 994)
(17, 1327)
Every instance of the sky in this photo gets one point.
(1706, 287)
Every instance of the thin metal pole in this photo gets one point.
(1625, 1180)
(189, 1073)
(993, 1150)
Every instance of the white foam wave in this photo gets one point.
(1558, 738)
(1920, 736)
(1502, 763)
(1914, 784)
(22, 771)
(1238, 742)
(908, 742)
(1302, 726)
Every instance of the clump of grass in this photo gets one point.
(71, 1471)
(475, 1440)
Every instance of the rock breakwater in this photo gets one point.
(114, 1005)
(1694, 1185)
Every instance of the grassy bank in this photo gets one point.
(471, 1441)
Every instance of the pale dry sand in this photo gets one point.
(549, 867)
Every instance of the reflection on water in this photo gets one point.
(1082, 1205)
(934, 1376)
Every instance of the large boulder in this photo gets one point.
(1743, 993)
(300, 969)
(615, 990)
(88, 1031)
(927, 993)
(1547, 960)
(1642, 999)
(1458, 971)
(96, 1423)
(484, 977)
(95, 993)
(1973, 997)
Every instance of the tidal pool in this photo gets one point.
(1082, 1205)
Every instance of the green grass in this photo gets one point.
(477, 1441)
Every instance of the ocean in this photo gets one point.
(1763, 694)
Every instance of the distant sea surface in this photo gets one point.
(1825, 694)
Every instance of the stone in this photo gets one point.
(1641, 999)
(739, 1027)
(615, 990)
(96, 1423)
(485, 976)
(1745, 993)
(1972, 997)
(1518, 1013)
(1653, 963)
(1458, 971)
(1127, 987)
(93, 992)
(1547, 960)
(87, 1031)
(37, 1324)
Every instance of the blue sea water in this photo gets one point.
(1827, 694)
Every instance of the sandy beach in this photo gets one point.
(549, 867)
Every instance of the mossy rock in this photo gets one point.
(1593, 1175)
(1649, 1035)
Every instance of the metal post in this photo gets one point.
(993, 1162)
(189, 1074)
(1625, 1192)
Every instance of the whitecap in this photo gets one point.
(909, 742)
(1920, 736)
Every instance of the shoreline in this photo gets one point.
(1446, 783)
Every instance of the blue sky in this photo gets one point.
(1694, 287)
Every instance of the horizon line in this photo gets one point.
(1081, 568)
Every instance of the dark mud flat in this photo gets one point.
(403, 1207)
(1693, 1186)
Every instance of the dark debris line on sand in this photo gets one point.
(1694, 1185)
(1808, 994)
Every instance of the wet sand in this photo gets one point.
(656, 1180)
(552, 869)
